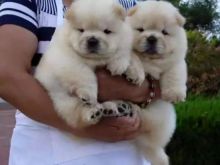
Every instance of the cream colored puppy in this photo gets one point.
(160, 43)
(93, 34)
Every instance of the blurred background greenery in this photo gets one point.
(197, 137)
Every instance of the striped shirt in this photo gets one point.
(39, 17)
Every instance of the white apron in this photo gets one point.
(34, 143)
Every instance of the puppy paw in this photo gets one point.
(163, 160)
(117, 109)
(156, 156)
(124, 108)
(174, 95)
(92, 115)
(135, 75)
(118, 67)
(155, 75)
(87, 101)
(87, 97)
(110, 109)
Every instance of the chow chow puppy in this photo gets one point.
(161, 45)
(93, 34)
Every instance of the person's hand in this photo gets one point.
(113, 129)
(118, 88)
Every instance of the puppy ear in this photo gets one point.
(180, 19)
(69, 14)
(132, 11)
(119, 11)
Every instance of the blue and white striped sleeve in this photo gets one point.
(22, 13)
(127, 4)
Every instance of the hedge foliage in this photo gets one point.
(203, 60)
(197, 137)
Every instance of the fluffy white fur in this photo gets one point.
(164, 59)
(66, 70)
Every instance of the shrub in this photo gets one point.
(203, 62)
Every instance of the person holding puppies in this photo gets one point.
(38, 138)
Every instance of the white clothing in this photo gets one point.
(34, 143)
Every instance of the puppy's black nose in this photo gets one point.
(152, 40)
(92, 42)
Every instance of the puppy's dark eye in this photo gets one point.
(140, 29)
(81, 30)
(165, 32)
(106, 31)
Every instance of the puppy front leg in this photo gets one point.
(80, 82)
(150, 69)
(135, 71)
(74, 112)
(119, 64)
(173, 83)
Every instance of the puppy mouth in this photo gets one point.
(93, 50)
(151, 50)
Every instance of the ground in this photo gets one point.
(7, 122)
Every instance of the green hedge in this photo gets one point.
(197, 137)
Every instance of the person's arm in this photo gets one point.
(18, 87)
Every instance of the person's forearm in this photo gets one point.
(25, 93)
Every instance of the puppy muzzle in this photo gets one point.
(151, 45)
(93, 45)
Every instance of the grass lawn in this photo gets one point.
(197, 137)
